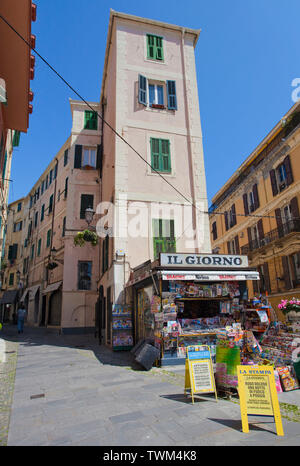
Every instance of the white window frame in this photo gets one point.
(89, 149)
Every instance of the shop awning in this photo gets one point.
(32, 292)
(52, 287)
(24, 295)
(210, 275)
(9, 297)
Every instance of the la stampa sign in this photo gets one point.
(203, 260)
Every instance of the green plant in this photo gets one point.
(85, 236)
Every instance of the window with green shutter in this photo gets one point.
(43, 212)
(11, 279)
(160, 155)
(48, 238)
(163, 236)
(32, 252)
(39, 247)
(90, 120)
(155, 47)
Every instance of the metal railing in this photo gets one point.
(280, 232)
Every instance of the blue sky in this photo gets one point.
(246, 57)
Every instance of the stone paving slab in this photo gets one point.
(93, 396)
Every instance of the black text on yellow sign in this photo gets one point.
(258, 395)
(199, 375)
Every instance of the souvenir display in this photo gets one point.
(122, 337)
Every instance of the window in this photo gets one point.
(43, 212)
(19, 208)
(296, 265)
(163, 236)
(36, 216)
(43, 187)
(86, 157)
(156, 95)
(32, 252)
(105, 253)
(152, 93)
(55, 171)
(230, 217)
(66, 187)
(46, 183)
(18, 226)
(84, 275)
(90, 120)
(160, 155)
(50, 177)
(12, 252)
(282, 176)
(89, 157)
(155, 47)
(11, 279)
(87, 201)
(39, 247)
(48, 238)
(66, 157)
(214, 231)
(64, 226)
(50, 208)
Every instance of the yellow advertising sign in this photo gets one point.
(258, 395)
(199, 375)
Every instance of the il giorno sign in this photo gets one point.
(203, 260)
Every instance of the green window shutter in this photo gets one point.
(32, 252)
(66, 187)
(48, 238)
(155, 153)
(39, 246)
(160, 155)
(155, 47)
(11, 279)
(163, 236)
(171, 91)
(50, 204)
(64, 226)
(66, 157)
(87, 200)
(159, 48)
(142, 90)
(43, 212)
(90, 120)
(78, 156)
(150, 46)
(16, 139)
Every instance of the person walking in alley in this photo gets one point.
(21, 314)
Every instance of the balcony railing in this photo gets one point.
(273, 235)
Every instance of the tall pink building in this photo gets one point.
(142, 174)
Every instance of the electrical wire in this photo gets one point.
(124, 140)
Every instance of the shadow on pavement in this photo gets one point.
(40, 336)
(237, 425)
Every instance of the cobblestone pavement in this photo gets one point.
(68, 390)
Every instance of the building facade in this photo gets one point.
(139, 169)
(256, 212)
(57, 280)
(16, 72)
(154, 173)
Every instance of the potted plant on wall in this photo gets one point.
(85, 236)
